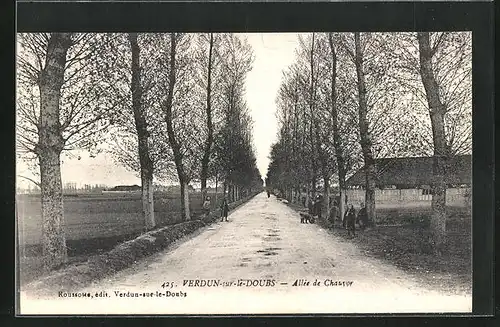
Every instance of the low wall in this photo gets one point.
(454, 196)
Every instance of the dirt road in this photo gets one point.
(250, 265)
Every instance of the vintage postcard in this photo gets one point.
(224, 172)
(231, 173)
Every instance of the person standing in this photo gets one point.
(310, 206)
(362, 217)
(334, 212)
(224, 209)
(350, 221)
(317, 206)
(206, 207)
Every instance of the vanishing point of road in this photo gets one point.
(249, 265)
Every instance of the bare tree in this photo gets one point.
(142, 134)
(237, 58)
(62, 106)
(125, 146)
(435, 70)
(366, 143)
(437, 111)
(339, 153)
(49, 148)
(173, 140)
(209, 123)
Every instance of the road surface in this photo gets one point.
(262, 261)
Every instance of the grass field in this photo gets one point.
(95, 216)
(94, 223)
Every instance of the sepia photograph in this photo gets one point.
(243, 173)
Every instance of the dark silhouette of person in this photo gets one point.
(206, 206)
(310, 206)
(224, 209)
(334, 212)
(362, 217)
(317, 206)
(350, 221)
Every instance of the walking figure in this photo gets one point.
(268, 194)
(224, 209)
(334, 212)
(362, 217)
(350, 221)
(318, 206)
(206, 207)
(310, 206)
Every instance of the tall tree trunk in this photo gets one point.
(209, 141)
(337, 142)
(437, 111)
(365, 141)
(313, 185)
(174, 144)
(216, 186)
(185, 201)
(326, 195)
(54, 250)
(342, 201)
(148, 201)
(308, 197)
(312, 120)
(142, 135)
(49, 149)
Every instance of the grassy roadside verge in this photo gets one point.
(405, 245)
(80, 274)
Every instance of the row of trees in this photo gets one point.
(350, 98)
(171, 107)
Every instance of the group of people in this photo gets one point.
(351, 219)
(224, 208)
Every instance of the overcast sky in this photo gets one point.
(273, 53)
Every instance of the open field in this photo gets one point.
(94, 216)
(94, 223)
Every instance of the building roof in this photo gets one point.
(415, 171)
(125, 188)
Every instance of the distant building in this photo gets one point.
(125, 188)
(410, 179)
